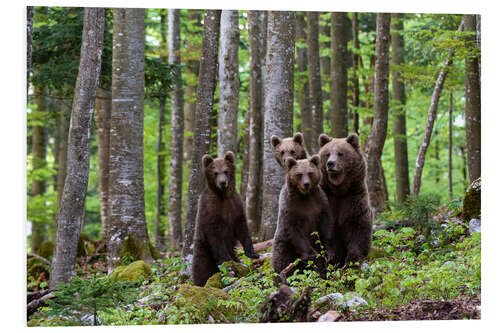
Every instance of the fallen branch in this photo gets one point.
(262, 258)
(258, 247)
(33, 255)
(285, 272)
(33, 306)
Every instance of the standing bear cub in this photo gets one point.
(288, 147)
(303, 210)
(344, 183)
(220, 220)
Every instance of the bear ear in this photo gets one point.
(206, 160)
(298, 138)
(290, 162)
(323, 139)
(229, 157)
(353, 140)
(315, 160)
(275, 141)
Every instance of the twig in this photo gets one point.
(33, 255)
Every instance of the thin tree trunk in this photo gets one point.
(244, 159)
(229, 84)
(257, 27)
(338, 91)
(62, 159)
(75, 189)
(378, 133)
(177, 128)
(303, 85)
(207, 81)
(192, 60)
(29, 42)
(450, 147)
(464, 167)
(314, 72)
(103, 113)
(324, 30)
(431, 117)
(399, 101)
(126, 173)
(472, 101)
(38, 153)
(278, 110)
(355, 76)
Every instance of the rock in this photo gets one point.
(348, 300)
(132, 273)
(330, 316)
(472, 201)
(474, 226)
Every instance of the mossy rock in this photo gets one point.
(154, 252)
(239, 269)
(472, 201)
(46, 249)
(207, 304)
(215, 281)
(376, 252)
(35, 267)
(134, 272)
(132, 251)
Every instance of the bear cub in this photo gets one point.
(220, 220)
(288, 147)
(303, 210)
(344, 183)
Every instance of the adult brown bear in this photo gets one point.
(220, 220)
(344, 183)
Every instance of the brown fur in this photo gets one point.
(303, 210)
(344, 182)
(288, 147)
(220, 220)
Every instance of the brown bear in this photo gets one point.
(220, 220)
(344, 183)
(303, 211)
(288, 147)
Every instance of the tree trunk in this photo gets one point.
(103, 112)
(29, 43)
(313, 64)
(431, 117)
(161, 208)
(244, 157)
(75, 189)
(229, 84)
(450, 148)
(126, 174)
(338, 89)
(38, 153)
(278, 110)
(303, 85)
(207, 81)
(192, 60)
(472, 101)
(62, 151)
(355, 76)
(257, 27)
(464, 167)
(399, 101)
(324, 30)
(378, 131)
(177, 128)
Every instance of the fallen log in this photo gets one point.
(258, 247)
(262, 258)
(33, 306)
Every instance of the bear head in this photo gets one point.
(220, 172)
(303, 175)
(340, 158)
(288, 147)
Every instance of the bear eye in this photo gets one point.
(215, 173)
(292, 152)
(225, 172)
(340, 153)
(299, 175)
(310, 174)
(282, 152)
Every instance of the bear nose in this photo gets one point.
(306, 185)
(223, 183)
(330, 164)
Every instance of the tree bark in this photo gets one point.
(257, 27)
(75, 189)
(450, 147)
(378, 131)
(324, 30)
(207, 81)
(126, 174)
(355, 76)
(278, 110)
(314, 72)
(229, 84)
(472, 101)
(62, 151)
(29, 42)
(303, 84)
(177, 129)
(338, 89)
(38, 152)
(192, 60)
(244, 157)
(399, 101)
(431, 117)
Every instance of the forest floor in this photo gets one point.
(419, 271)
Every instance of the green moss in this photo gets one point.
(154, 252)
(85, 246)
(376, 252)
(35, 267)
(238, 268)
(46, 249)
(215, 281)
(472, 201)
(134, 272)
